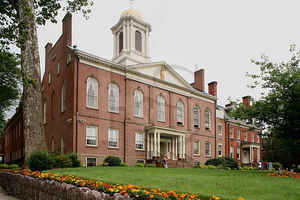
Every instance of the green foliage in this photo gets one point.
(39, 161)
(13, 166)
(150, 165)
(211, 167)
(113, 161)
(215, 161)
(277, 165)
(62, 161)
(124, 165)
(74, 159)
(223, 162)
(3, 166)
(139, 164)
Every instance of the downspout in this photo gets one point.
(215, 128)
(77, 74)
(125, 117)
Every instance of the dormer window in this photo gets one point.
(120, 42)
(138, 41)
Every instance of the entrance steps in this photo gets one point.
(181, 163)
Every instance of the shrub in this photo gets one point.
(139, 165)
(224, 162)
(215, 161)
(105, 164)
(62, 161)
(277, 165)
(227, 168)
(124, 165)
(75, 161)
(203, 166)
(150, 165)
(3, 166)
(211, 167)
(39, 161)
(113, 161)
(13, 166)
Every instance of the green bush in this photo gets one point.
(74, 159)
(277, 165)
(124, 165)
(39, 161)
(224, 162)
(150, 165)
(13, 166)
(211, 167)
(3, 166)
(203, 166)
(62, 161)
(139, 165)
(231, 163)
(113, 161)
(227, 168)
(215, 161)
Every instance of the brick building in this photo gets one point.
(129, 106)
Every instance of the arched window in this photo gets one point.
(62, 146)
(120, 42)
(161, 116)
(92, 93)
(180, 112)
(63, 97)
(113, 98)
(138, 41)
(138, 103)
(196, 116)
(207, 119)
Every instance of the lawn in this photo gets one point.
(251, 185)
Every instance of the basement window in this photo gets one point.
(91, 162)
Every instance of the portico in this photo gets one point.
(165, 142)
(250, 152)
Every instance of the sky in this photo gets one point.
(220, 36)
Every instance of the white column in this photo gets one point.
(183, 146)
(158, 143)
(155, 144)
(180, 147)
(173, 148)
(124, 37)
(115, 45)
(176, 147)
(148, 146)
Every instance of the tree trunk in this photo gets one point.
(34, 136)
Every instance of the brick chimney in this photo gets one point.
(246, 101)
(67, 29)
(212, 88)
(199, 80)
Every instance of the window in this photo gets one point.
(91, 135)
(49, 78)
(63, 97)
(220, 130)
(139, 141)
(231, 132)
(180, 112)
(52, 145)
(92, 93)
(245, 136)
(238, 150)
(113, 98)
(231, 151)
(58, 68)
(196, 117)
(197, 147)
(91, 162)
(252, 137)
(207, 119)
(161, 108)
(238, 134)
(69, 58)
(220, 150)
(120, 42)
(207, 149)
(138, 41)
(45, 112)
(62, 146)
(138, 103)
(113, 138)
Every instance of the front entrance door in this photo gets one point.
(165, 148)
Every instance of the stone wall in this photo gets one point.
(28, 188)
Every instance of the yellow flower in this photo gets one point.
(241, 198)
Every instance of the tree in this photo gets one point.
(18, 26)
(279, 108)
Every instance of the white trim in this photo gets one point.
(97, 135)
(199, 146)
(220, 144)
(143, 141)
(117, 138)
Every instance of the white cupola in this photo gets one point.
(131, 39)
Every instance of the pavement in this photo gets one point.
(4, 196)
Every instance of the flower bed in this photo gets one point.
(285, 174)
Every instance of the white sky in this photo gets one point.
(219, 36)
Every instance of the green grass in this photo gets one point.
(251, 185)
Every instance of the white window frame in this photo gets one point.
(231, 132)
(92, 158)
(196, 115)
(180, 112)
(113, 98)
(45, 113)
(238, 133)
(138, 103)
(238, 153)
(196, 142)
(112, 131)
(207, 119)
(63, 97)
(86, 135)
(220, 133)
(137, 142)
(161, 108)
(231, 151)
(245, 135)
(94, 86)
(220, 145)
(252, 137)
(209, 146)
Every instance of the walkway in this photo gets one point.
(4, 196)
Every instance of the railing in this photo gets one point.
(249, 143)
